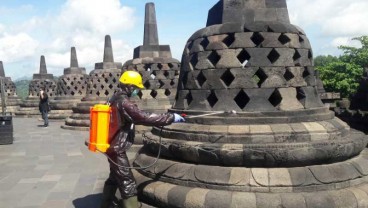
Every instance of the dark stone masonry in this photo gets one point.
(159, 70)
(270, 141)
(71, 88)
(102, 83)
(29, 108)
(12, 100)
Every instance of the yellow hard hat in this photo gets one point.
(132, 78)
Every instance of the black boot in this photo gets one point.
(108, 196)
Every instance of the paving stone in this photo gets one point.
(49, 167)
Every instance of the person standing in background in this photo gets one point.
(44, 106)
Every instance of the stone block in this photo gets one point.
(268, 200)
(240, 176)
(239, 199)
(215, 42)
(228, 59)
(343, 198)
(275, 77)
(196, 197)
(280, 177)
(258, 100)
(291, 200)
(242, 40)
(216, 198)
(289, 100)
(239, 129)
(175, 196)
(259, 177)
(258, 56)
(243, 78)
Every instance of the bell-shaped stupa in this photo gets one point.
(12, 100)
(103, 82)
(29, 107)
(256, 132)
(159, 70)
(71, 88)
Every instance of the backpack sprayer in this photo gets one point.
(100, 116)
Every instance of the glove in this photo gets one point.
(178, 118)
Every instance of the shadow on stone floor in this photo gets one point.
(90, 201)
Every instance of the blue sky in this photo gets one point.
(31, 28)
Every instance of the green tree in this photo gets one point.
(342, 74)
(340, 77)
(324, 60)
(358, 56)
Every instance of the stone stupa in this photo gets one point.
(12, 100)
(29, 108)
(256, 132)
(103, 82)
(71, 88)
(159, 70)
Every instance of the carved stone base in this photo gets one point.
(343, 184)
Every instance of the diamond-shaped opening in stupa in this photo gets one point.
(257, 39)
(204, 43)
(161, 83)
(154, 93)
(300, 94)
(284, 39)
(201, 79)
(288, 75)
(147, 84)
(229, 40)
(227, 77)
(189, 98)
(241, 99)
(261, 76)
(297, 55)
(140, 94)
(214, 58)
(275, 98)
(194, 60)
(243, 57)
(147, 67)
(273, 56)
(212, 99)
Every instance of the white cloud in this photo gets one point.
(95, 16)
(79, 23)
(334, 17)
(330, 23)
(14, 48)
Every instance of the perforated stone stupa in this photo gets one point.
(30, 106)
(12, 100)
(71, 88)
(102, 83)
(159, 70)
(272, 142)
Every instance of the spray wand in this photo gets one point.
(160, 140)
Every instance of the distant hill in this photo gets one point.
(22, 88)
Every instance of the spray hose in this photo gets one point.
(160, 141)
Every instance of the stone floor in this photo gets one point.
(50, 167)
